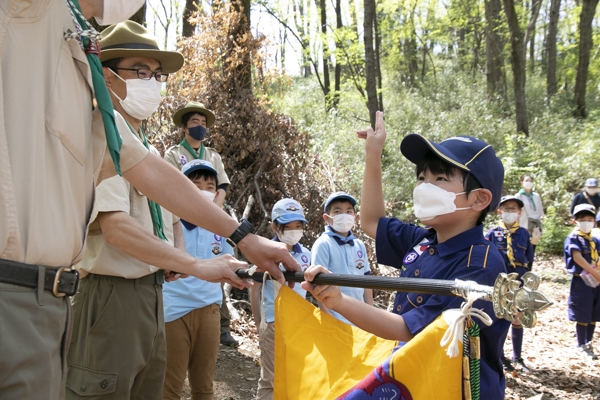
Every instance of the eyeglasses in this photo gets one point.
(146, 74)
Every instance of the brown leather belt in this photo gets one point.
(62, 281)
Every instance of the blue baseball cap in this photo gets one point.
(591, 182)
(465, 153)
(195, 165)
(287, 210)
(585, 207)
(504, 199)
(339, 196)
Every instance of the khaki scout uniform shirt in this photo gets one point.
(117, 194)
(50, 157)
(178, 156)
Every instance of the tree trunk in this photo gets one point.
(370, 64)
(187, 29)
(244, 70)
(551, 49)
(325, 58)
(338, 65)
(518, 65)
(532, 41)
(140, 16)
(378, 63)
(493, 46)
(588, 9)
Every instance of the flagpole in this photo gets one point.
(507, 295)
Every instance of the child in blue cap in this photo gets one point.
(338, 250)
(514, 244)
(191, 305)
(457, 182)
(288, 223)
(581, 259)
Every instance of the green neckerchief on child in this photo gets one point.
(530, 196)
(155, 211)
(193, 152)
(88, 40)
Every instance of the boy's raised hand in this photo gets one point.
(330, 296)
(375, 139)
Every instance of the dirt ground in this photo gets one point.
(557, 372)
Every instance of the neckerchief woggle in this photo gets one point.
(91, 47)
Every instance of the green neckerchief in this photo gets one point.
(155, 211)
(113, 138)
(530, 196)
(193, 152)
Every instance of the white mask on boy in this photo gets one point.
(115, 11)
(509, 217)
(585, 226)
(429, 201)
(343, 222)
(291, 237)
(591, 190)
(210, 195)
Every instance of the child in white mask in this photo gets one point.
(514, 244)
(581, 258)
(338, 250)
(288, 224)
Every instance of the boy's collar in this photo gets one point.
(297, 248)
(331, 232)
(461, 241)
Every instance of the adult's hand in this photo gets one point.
(222, 269)
(267, 255)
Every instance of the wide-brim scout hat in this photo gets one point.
(130, 39)
(286, 211)
(584, 209)
(465, 153)
(196, 165)
(504, 199)
(194, 107)
(339, 196)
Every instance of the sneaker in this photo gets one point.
(228, 340)
(519, 361)
(508, 367)
(588, 351)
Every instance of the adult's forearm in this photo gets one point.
(167, 186)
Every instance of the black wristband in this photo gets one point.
(244, 229)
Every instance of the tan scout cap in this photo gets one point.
(194, 107)
(130, 39)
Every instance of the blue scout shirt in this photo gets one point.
(187, 294)
(467, 256)
(342, 255)
(584, 301)
(300, 254)
(521, 244)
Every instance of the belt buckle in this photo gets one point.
(59, 272)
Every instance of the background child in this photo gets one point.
(581, 255)
(338, 250)
(532, 211)
(514, 244)
(458, 181)
(288, 223)
(191, 305)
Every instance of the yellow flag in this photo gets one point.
(319, 357)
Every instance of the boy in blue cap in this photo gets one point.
(514, 244)
(338, 250)
(458, 181)
(191, 305)
(581, 258)
(288, 223)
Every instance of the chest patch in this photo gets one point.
(182, 159)
(410, 257)
(304, 258)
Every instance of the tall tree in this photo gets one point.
(518, 65)
(325, 55)
(338, 64)
(242, 34)
(191, 6)
(493, 46)
(370, 59)
(551, 48)
(588, 9)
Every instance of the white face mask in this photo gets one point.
(509, 217)
(429, 201)
(290, 237)
(591, 191)
(143, 97)
(342, 222)
(210, 195)
(585, 226)
(115, 11)
(528, 185)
